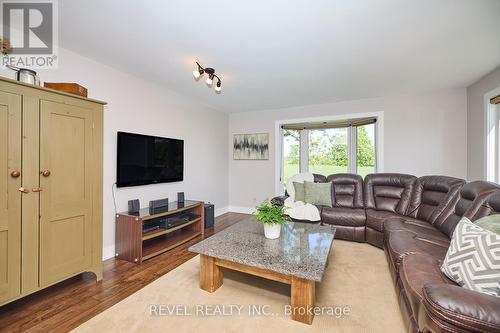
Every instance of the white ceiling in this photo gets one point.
(281, 53)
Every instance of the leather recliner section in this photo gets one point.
(347, 213)
(409, 235)
(432, 196)
(389, 192)
(386, 195)
(472, 197)
(469, 203)
(413, 220)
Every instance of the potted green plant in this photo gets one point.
(272, 216)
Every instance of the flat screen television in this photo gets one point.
(144, 159)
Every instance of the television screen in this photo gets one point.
(144, 159)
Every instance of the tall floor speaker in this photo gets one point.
(209, 215)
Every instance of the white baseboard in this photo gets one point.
(220, 211)
(108, 252)
(241, 209)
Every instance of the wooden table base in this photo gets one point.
(302, 290)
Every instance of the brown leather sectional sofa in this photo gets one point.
(413, 219)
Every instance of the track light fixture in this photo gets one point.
(211, 75)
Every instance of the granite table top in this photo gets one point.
(301, 251)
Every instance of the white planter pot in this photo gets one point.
(272, 231)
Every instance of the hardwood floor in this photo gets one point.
(66, 305)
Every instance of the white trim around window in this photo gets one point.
(492, 137)
(379, 139)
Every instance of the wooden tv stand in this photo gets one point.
(134, 245)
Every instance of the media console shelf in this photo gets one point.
(134, 244)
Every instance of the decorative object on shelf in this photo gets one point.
(272, 216)
(5, 46)
(72, 88)
(251, 146)
(25, 75)
(158, 206)
(197, 73)
(134, 206)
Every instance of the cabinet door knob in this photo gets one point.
(15, 174)
(24, 190)
(37, 189)
(45, 173)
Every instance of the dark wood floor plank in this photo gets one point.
(62, 307)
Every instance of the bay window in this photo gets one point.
(347, 146)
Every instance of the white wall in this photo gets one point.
(423, 135)
(139, 106)
(476, 124)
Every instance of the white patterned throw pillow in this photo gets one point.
(473, 258)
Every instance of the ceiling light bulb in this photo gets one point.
(196, 74)
(218, 87)
(209, 81)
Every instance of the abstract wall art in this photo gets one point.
(251, 146)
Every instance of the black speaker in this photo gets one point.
(134, 206)
(209, 215)
(180, 196)
(158, 206)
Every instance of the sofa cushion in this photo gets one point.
(348, 217)
(417, 270)
(402, 243)
(490, 222)
(319, 178)
(473, 259)
(421, 228)
(297, 178)
(388, 191)
(300, 191)
(279, 200)
(375, 218)
(319, 194)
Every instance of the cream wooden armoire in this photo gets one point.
(50, 187)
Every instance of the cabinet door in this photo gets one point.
(65, 199)
(10, 197)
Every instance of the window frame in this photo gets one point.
(304, 145)
(492, 138)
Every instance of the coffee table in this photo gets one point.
(298, 258)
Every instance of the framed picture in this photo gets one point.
(251, 146)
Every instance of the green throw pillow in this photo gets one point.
(319, 194)
(491, 223)
(300, 194)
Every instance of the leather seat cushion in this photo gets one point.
(375, 218)
(417, 270)
(421, 228)
(401, 243)
(348, 217)
(451, 308)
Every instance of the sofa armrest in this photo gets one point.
(280, 200)
(458, 308)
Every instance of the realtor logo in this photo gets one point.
(31, 29)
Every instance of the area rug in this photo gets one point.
(356, 295)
